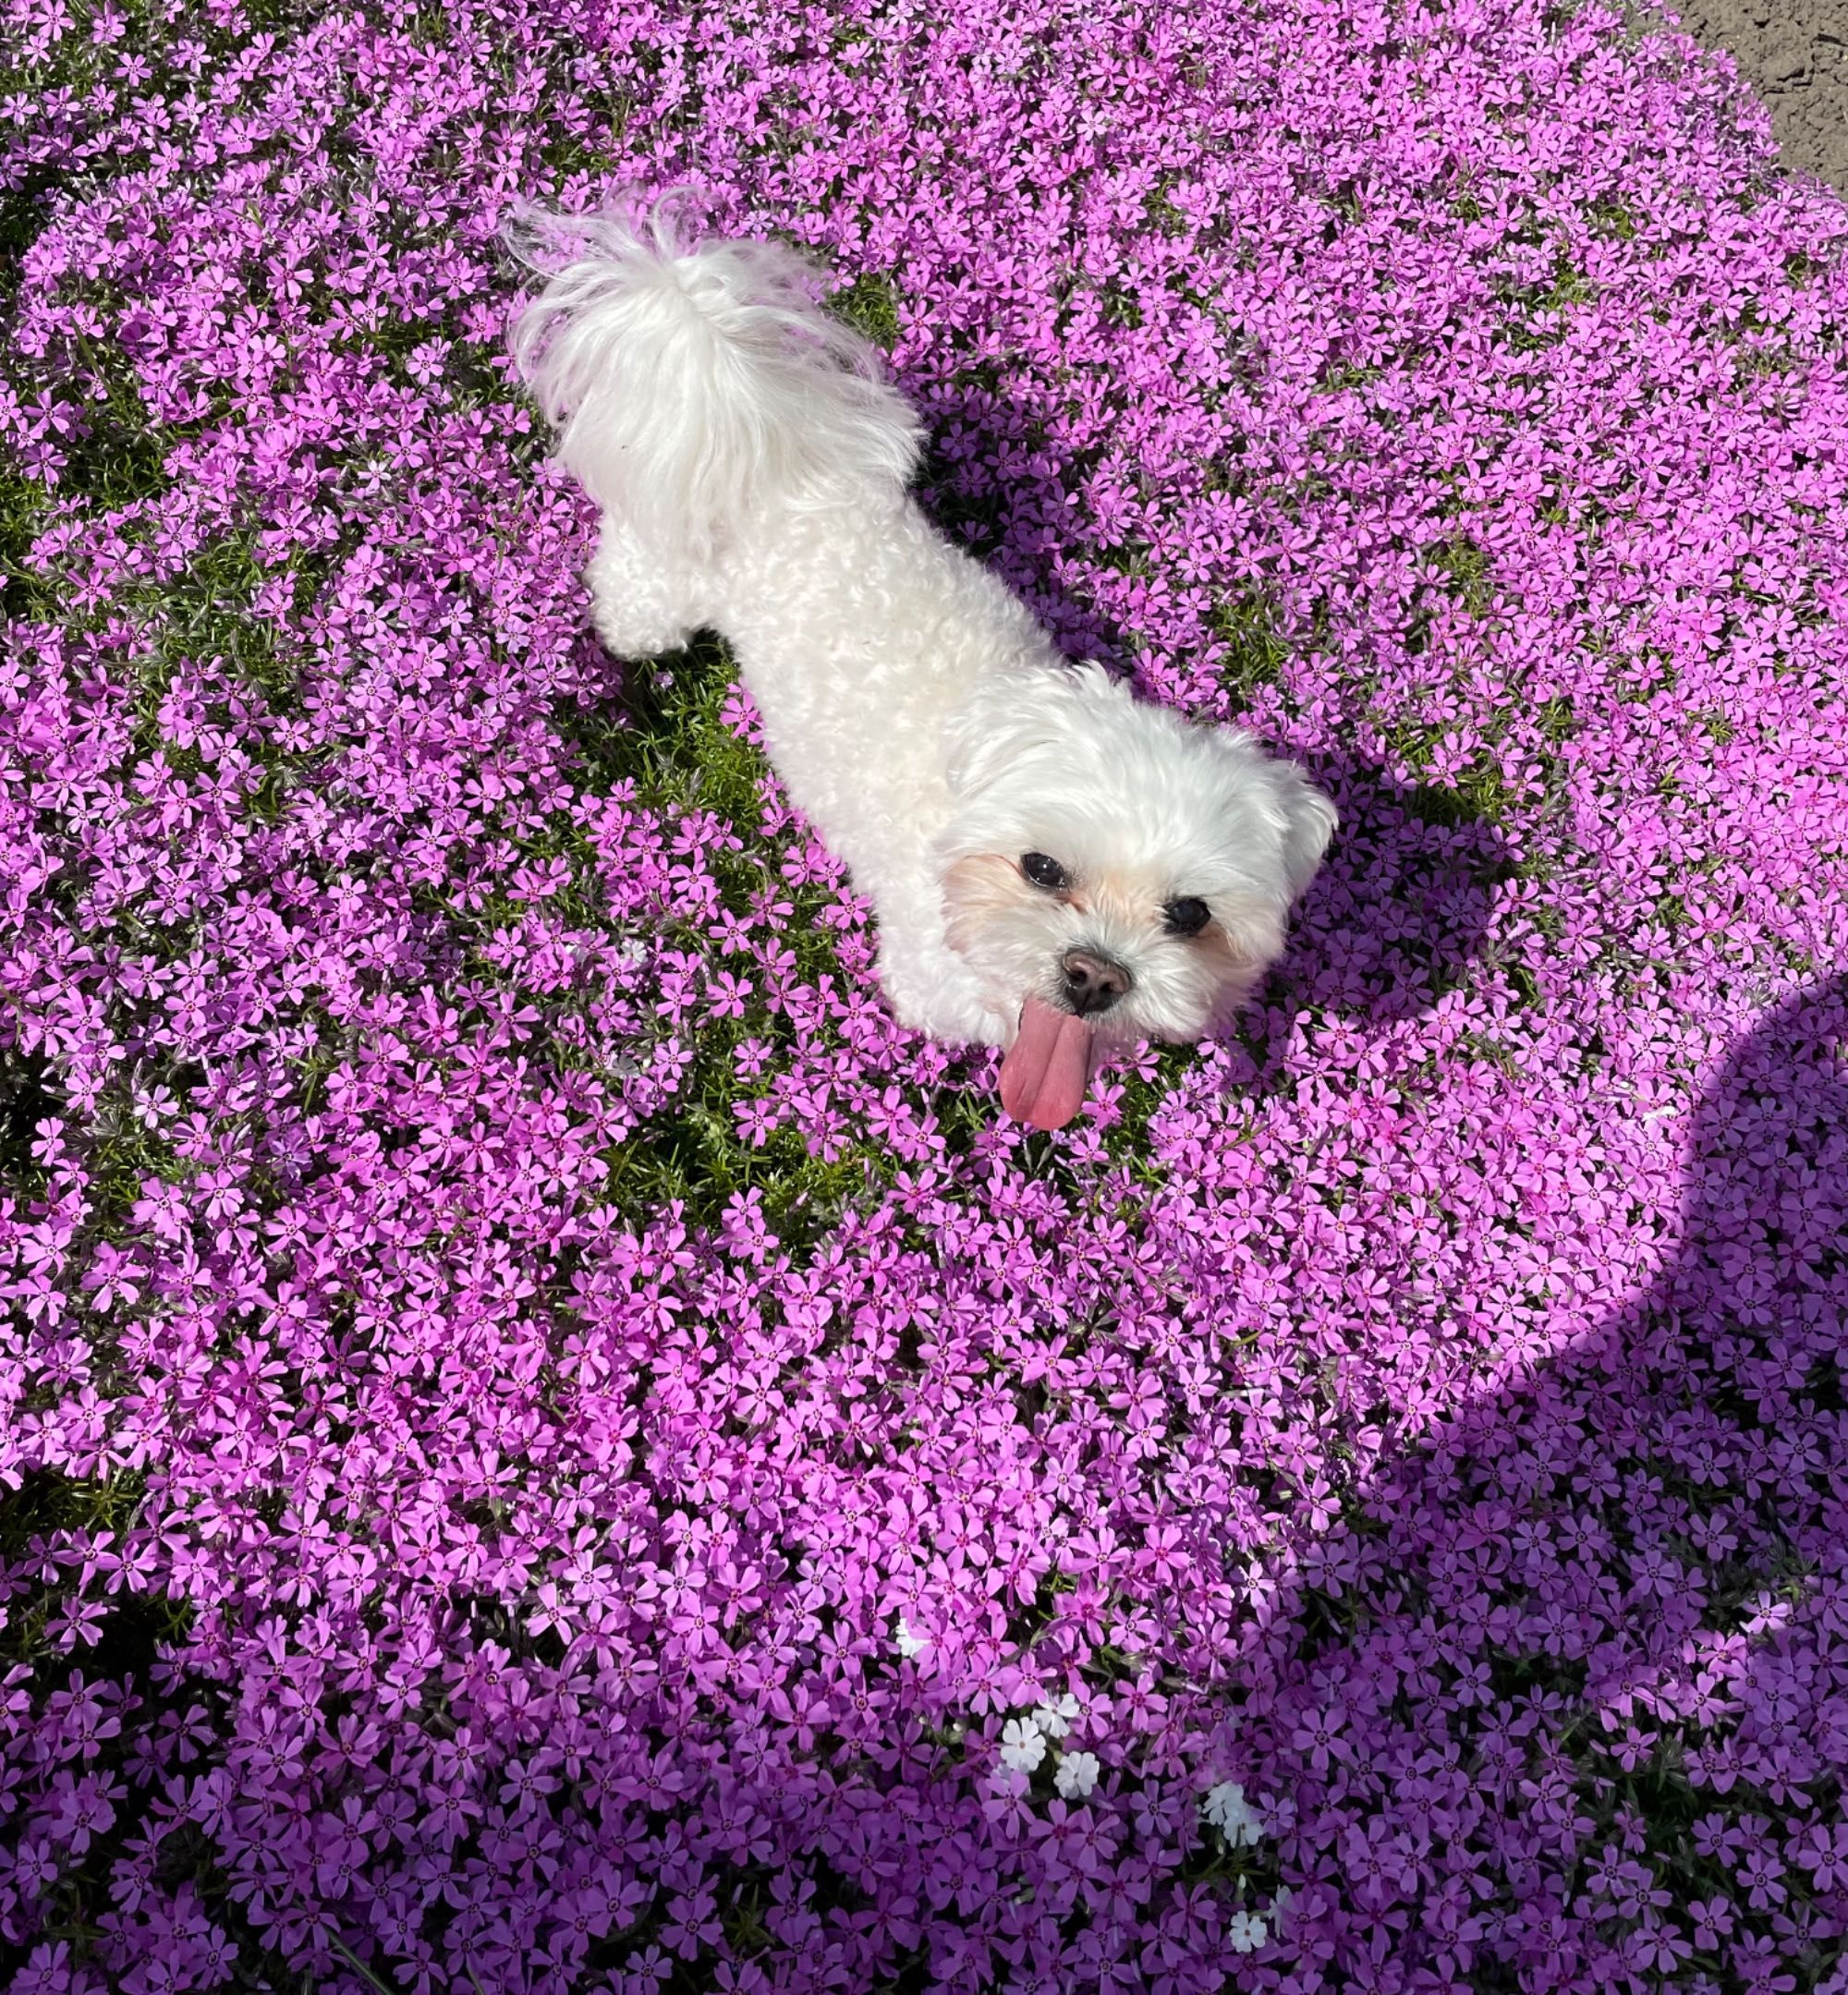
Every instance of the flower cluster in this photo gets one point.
(545, 1443)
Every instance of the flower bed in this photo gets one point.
(544, 1443)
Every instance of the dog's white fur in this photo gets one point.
(751, 464)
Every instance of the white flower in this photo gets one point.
(1280, 1905)
(1226, 1808)
(1246, 1932)
(1077, 1776)
(1055, 1718)
(906, 1643)
(1021, 1745)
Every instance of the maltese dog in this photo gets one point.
(1057, 868)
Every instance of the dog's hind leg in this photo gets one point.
(643, 602)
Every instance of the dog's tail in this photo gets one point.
(693, 389)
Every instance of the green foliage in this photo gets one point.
(870, 306)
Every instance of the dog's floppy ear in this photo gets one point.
(1281, 796)
(1308, 822)
(978, 736)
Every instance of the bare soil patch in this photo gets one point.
(1795, 54)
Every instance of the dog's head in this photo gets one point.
(1112, 873)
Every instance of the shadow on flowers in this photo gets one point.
(1403, 907)
(1574, 1714)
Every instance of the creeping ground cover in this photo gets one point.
(546, 1445)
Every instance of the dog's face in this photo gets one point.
(1111, 873)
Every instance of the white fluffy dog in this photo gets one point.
(1057, 867)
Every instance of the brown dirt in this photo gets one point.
(1795, 54)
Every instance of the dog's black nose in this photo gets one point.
(1093, 982)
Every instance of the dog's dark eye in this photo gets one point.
(1186, 916)
(1044, 873)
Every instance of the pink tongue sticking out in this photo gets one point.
(1045, 1072)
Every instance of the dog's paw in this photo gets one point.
(932, 992)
